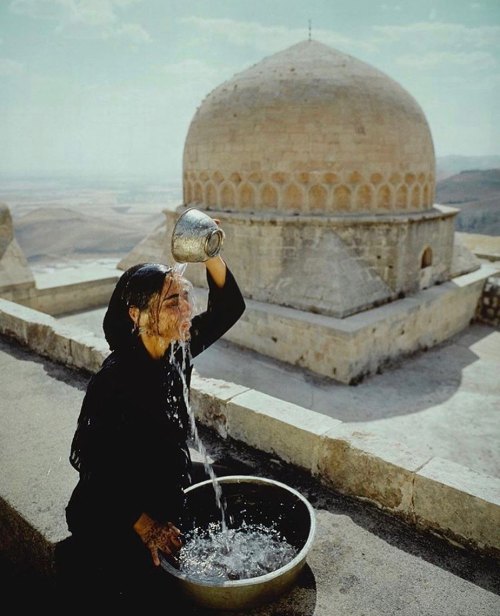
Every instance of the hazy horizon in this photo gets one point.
(109, 87)
(78, 175)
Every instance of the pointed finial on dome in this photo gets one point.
(309, 29)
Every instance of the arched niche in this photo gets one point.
(317, 198)
(210, 195)
(342, 198)
(384, 197)
(269, 196)
(426, 258)
(246, 196)
(198, 193)
(364, 196)
(227, 196)
(293, 197)
(402, 197)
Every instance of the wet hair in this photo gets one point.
(135, 287)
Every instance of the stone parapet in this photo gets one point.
(46, 336)
(453, 501)
(64, 298)
(416, 487)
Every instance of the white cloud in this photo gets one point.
(193, 79)
(431, 60)
(485, 84)
(84, 18)
(440, 33)
(268, 39)
(189, 68)
(93, 13)
(9, 68)
(133, 32)
(40, 9)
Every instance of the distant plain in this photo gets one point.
(63, 221)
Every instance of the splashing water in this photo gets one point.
(214, 555)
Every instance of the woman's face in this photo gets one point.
(169, 314)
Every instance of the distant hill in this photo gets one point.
(477, 194)
(64, 232)
(446, 166)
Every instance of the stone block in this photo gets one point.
(209, 398)
(87, 351)
(459, 503)
(23, 323)
(369, 467)
(291, 432)
(49, 341)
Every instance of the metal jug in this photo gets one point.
(196, 237)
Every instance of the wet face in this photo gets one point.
(169, 313)
(172, 311)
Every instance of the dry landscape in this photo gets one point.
(67, 220)
(477, 194)
(63, 220)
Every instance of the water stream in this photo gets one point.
(196, 438)
(219, 552)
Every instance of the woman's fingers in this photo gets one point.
(174, 528)
(167, 539)
(154, 554)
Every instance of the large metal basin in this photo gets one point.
(254, 500)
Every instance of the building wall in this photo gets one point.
(395, 249)
(349, 349)
(488, 310)
(333, 266)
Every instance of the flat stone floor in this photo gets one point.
(363, 562)
(443, 402)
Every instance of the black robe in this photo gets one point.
(130, 445)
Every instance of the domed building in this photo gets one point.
(314, 131)
(321, 169)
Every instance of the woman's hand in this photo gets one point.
(216, 266)
(158, 537)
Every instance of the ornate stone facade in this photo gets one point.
(310, 130)
(309, 193)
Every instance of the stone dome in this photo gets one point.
(310, 130)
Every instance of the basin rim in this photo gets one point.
(261, 579)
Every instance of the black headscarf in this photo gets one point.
(135, 287)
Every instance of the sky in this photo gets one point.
(109, 87)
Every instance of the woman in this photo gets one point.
(130, 446)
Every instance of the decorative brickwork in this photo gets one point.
(270, 191)
(488, 309)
